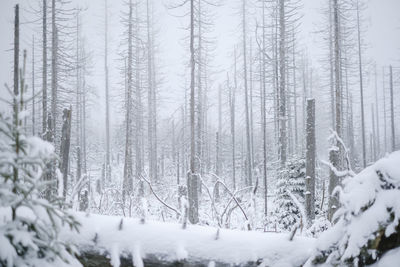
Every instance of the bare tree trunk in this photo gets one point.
(263, 113)
(192, 175)
(199, 140)
(128, 169)
(64, 149)
(282, 84)
(16, 63)
(310, 161)
(44, 70)
(374, 154)
(331, 64)
(392, 110)
(232, 98)
(78, 104)
(335, 154)
(384, 111)
(107, 93)
(296, 139)
(378, 136)
(249, 170)
(33, 86)
(361, 87)
(218, 142)
(54, 70)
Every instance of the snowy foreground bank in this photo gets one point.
(195, 245)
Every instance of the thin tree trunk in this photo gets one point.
(44, 70)
(54, 70)
(374, 154)
(33, 86)
(392, 110)
(16, 63)
(107, 93)
(282, 84)
(378, 136)
(361, 87)
(263, 114)
(249, 172)
(384, 110)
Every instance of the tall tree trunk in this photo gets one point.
(64, 149)
(78, 103)
(192, 175)
(310, 161)
(232, 99)
(335, 154)
(378, 136)
(107, 93)
(361, 86)
(33, 87)
(54, 70)
(44, 70)
(263, 113)
(392, 110)
(16, 63)
(249, 169)
(282, 84)
(128, 170)
(384, 111)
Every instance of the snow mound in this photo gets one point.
(367, 222)
(169, 242)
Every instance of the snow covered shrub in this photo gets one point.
(368, 219)
(290, 179)
(29, 225)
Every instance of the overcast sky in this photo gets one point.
(382, 37)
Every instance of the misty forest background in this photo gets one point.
(238, 146)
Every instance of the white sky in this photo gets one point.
(382, 36)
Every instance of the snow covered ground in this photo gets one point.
(106, 234)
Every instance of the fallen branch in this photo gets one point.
(158, 198)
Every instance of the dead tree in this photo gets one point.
(335, 151)
(192, 179)
(44, 70)
(310, 161)
(64, 148)
(249, 169)
(107, 93)
(361, 86)
(392, 110)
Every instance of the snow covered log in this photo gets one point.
(367, 225)
(116, 241)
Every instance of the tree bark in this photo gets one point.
(64, 149)
(310, 161)
(192, 181)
